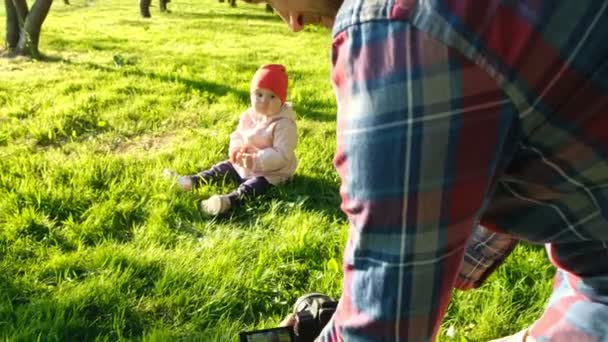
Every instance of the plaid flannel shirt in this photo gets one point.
(452, 113)
(485, 251)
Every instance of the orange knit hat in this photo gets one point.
(273, 77)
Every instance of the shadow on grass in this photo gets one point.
(97, 44)
(13, 293)
(310, 194)
(49, 58)
(185, 218)
(82, 321)
(41, 57)
(213, 87)
(314, 194)
(308, 108)
(315, 111)
(143, 23)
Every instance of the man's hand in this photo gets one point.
(289, 321)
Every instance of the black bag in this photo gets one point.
(312, 312)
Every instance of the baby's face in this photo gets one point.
(265, 102)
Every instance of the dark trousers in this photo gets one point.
(248, 187)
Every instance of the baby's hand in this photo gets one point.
(234, 155)
(247, 160)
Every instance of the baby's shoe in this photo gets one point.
(215, 205)
(168, 173)
(184, 182)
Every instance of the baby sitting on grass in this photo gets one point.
(262, 148)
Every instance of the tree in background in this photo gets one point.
(23, 26)
(144, 7)
(231, 2)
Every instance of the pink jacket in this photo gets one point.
(274, 140)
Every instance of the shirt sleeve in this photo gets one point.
(422, 133)
(485, 251)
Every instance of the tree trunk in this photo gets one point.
(22, 11)
(162, 4)
(30, 32)
(16, 13)
(144, 8)
(12, 25)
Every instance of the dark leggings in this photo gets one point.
(248, 187)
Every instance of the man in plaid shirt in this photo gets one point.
(459, 112)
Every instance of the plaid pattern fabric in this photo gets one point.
(452, 113)
(485, 251)
(577, 311)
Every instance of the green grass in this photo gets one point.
(95, 245)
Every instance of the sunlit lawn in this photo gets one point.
(95, 244)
